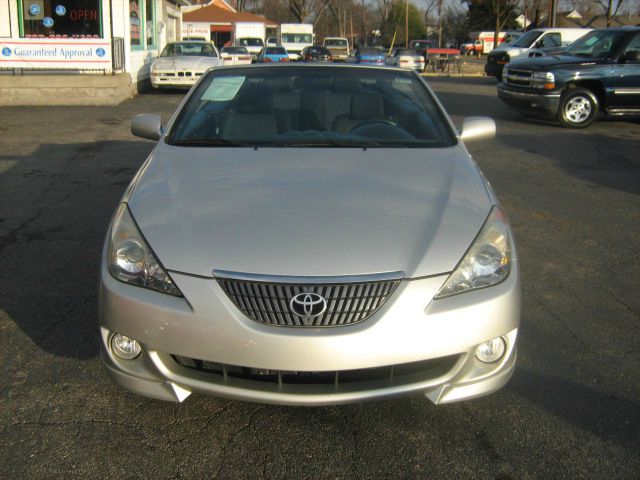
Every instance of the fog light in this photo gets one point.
(125, 347)
(491, 350)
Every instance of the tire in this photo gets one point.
(578, 108)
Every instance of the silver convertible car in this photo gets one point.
(309, 235)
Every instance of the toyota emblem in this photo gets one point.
(308, 305)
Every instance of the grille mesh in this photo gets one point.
(269, 303)
(519, 78)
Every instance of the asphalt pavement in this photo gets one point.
(572, 409)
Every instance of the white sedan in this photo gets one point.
(181, 64)
(406, 58)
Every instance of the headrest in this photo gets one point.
(255, 99)
(346, 85)
(279, 84)
(312, 83)
(367, 105)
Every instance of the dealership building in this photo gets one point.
(81, 51)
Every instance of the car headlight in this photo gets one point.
(488, 260)
(131, 260)
(544, 80)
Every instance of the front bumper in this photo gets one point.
(207, 326)
(494, 66)
(175, 81)
(541, 103)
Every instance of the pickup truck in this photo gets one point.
(598, 72)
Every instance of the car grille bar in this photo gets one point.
(346, 303)
(518, 78)
(333, 379)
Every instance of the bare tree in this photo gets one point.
(308, 10)
(608, 7)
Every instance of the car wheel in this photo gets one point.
(578, 108)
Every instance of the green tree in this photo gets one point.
(395, 23)
(487, 14)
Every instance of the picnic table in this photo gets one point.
(442, 59)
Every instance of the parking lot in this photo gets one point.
(571, 410)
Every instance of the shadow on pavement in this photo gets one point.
(606, 416)
(613, 163)
(57, 205)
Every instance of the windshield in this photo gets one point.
(333, 42)
(406, 51)
(311, 107)
(510, 38)
(422, 45)
(196, 49)
(235, 50)
(597, 44)
(251, 42)
(276, 51)
(526, 40)
(297, 38)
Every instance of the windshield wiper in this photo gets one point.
(328, 143)
(206, 142)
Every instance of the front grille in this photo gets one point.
(270, 303)
(384, 376)
(518, 78)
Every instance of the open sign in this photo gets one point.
(83, 14)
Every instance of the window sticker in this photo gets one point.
(223, 89)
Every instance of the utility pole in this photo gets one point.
(406, 24)
(351, 25)
(551, 21)
(439, 23)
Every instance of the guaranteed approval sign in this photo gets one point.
(56, 53)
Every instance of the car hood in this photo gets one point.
(186, 63)
(511, 51)
(310, 211)
(555, 61)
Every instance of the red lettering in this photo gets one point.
(86, 14)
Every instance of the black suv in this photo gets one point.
(598, 72)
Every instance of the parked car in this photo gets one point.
(338, 46)
(531, 40)
(316, 54)
(181, 64)
(273, 54)
(421, 45)
(368, 56)
(598, 72)
(235, 56)
(261, 256)
(253, 45)
(406, 58)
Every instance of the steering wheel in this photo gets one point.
(373, 121)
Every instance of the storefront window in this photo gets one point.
(150, 16)
(142, 23)
(61, 18)
(135, 24)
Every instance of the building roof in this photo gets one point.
(214, 13)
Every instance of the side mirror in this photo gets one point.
(147, 125)
(478, 128)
